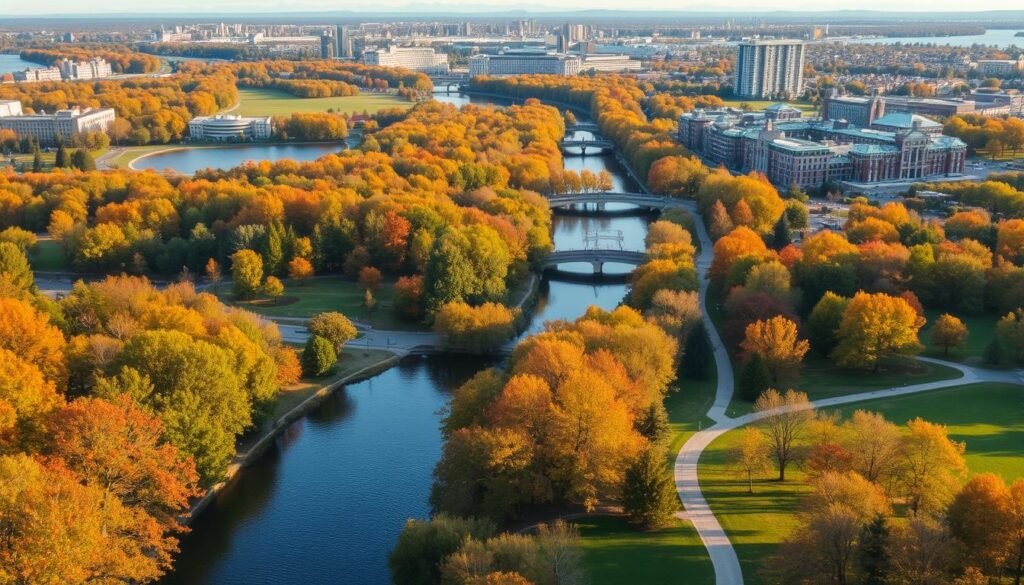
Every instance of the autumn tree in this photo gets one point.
(334, 327)
(719, 222)
(318, 357)
(423, 545)
(948, 332)
(777, 343)
(873, 444)
(27, 333)
(16, 279)
(783, 419)
(300, 269)
(246, 273)
(980, 516)
(476, 329)
(823, 323)
(931, 467)
(876, 326)
(751, 456)
(273, 287)
(213, 273)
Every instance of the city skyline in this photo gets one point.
(66, 7)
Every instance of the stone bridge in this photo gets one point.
(599, 144)
(596, 258)
(642, 200)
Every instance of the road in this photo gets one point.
(720, 550)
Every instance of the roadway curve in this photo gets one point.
(721, 551)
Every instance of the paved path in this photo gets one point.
(723, 555)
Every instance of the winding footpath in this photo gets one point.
(721, 551)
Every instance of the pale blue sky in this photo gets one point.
(57, 7)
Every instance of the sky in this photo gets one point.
(66, 7)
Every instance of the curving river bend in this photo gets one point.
(326, 504)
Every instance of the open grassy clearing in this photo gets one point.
(24, 161)
(48, 257)
(271, 102)
(329, 293)
(989, 418)
(615, 553)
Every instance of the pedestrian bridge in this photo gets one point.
(598, 144)
(596, 258)
(642, 200)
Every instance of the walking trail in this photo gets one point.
(720, 549)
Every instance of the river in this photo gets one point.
(326, 504)
(1001, 38)
(188, 160)
(10, 63)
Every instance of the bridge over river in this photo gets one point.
(642, 200)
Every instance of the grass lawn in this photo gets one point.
(24, 161)
(615, 553)
(820, 378)
(330, 293)
(989, 418)
(352, 360)
(756, 105)
(270, 102)
(122, 160)
(980, 330)
(48, 257)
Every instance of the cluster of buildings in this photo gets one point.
(67, 70)
(861, 110)
(792, 150)
(423, 59)
(62, 125)
(542, 62)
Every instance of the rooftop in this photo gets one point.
(905, 121)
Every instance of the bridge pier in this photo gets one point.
(598, 267)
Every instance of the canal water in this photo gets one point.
(326, 504)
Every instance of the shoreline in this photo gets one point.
(224, 146)
(250, 455)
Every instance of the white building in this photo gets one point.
(38, 74)
(45, 128)
(525, 63)
(95, 68)
(223, 128)
(609, 63)
(10, 108)
(767, 69)
(415, 58)
(1000, 67)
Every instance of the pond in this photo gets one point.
(188, 160)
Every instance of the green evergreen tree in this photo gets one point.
(649, 495)
(697, 354)
(994, 352)
(753, 378)
(781, 237)
(61, 161)
(318, 357)
(872, 552)
(273, 248)
(37, 162)
(82, 160)
(654, 424)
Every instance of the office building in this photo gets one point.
(65, 124)
(939, 108)
(808, 152)
(38, 74)
(10, 108)
(857, 110)
(1000, 67)
(326, 46)
(223, 128)
(415, 58)
(525, 63)
(609, 63)
(95, 68)
(769, 69)
(343, 40)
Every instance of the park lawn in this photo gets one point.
(24, 161)
(270, 102)
(981, 329)
(757, 105)
(351, 361)
(821, 378)
(989, 418)
(128, 155)
(1006, 155)
(687, 402)
(329, 293)
(48, 257)
(614, 552)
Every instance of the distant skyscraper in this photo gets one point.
(343, 42)
(327, 44)
(769, 68)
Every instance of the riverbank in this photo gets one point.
(254, 447)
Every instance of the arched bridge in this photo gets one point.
(591, 143)
(596, 258)
(563, 200)
(582, 127)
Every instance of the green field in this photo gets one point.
(329, 293)
(989, 418)
(271, 102)
(820, 378)
(980, 330)
(48, 257)
(24, 161)
(616, 553)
